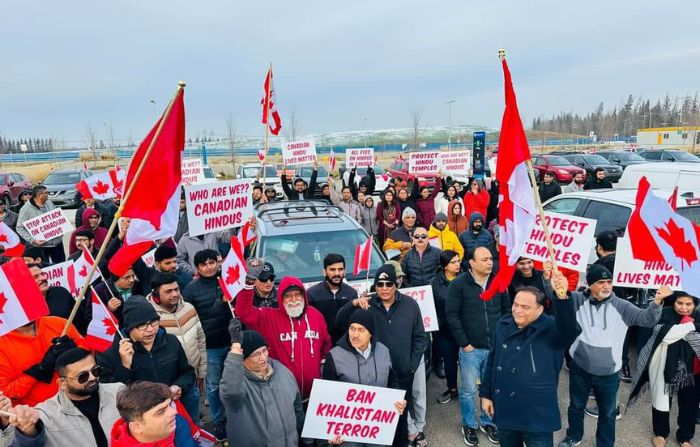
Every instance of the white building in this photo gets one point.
(688, 136)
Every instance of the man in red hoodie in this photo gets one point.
(296, 332)
(91, 221)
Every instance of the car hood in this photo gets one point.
(568, 168)
(60, 186)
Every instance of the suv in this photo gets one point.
(562, 168)
(11, 185)
(668, 155)
(622, 158)
(295, 236)
(591, 162)
(61, 186)
(305, 172)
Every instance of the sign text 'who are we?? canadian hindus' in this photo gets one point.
(218, 206)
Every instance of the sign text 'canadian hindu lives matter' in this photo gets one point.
(630, 272)
(299, 153)
(218, 206)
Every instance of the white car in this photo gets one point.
(254, 171)
(381, 177)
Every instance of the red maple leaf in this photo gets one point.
(100, 188)
(118, 183)
(3, 237)
(3, 300)
(83, 271)
(233, 274)
(674, 236)
(109, 326)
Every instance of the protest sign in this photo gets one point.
(299, 153)
(192, 171)
(358, 413)
(149, 258)
(218, 206)
(424, 164)
(630, 272)
(57, 274)
(49, 225)
(424, 297)
(571, 240)
(455, 162)
(359, 157)
(493, 161)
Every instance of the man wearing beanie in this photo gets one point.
(445, 238)
(402, 238)
(148, 353)
(260, 395)
(597, 352)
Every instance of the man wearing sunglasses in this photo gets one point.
(420, 262)
(264, 290)
(82, 413)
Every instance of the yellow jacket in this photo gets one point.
(447, 238)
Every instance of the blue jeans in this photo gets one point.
(517, 438)
(190, 400)
(605, 391)
(471, 366)
(215, 366)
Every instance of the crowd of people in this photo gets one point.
(254, 360)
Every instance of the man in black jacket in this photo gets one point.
(526, 275)
(549, 187)
(301, 190)
(421, 261)
(367, 183)
(472, 322)
(597, 181)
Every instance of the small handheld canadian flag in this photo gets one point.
(246, 236)
(10, 242)
(78, 271)
(21, 300)
(331, 161)
(363, 255)
(233, 271)
(261, 154)
(100, 332)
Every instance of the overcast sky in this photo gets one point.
(67, 64)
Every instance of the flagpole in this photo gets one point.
(109, 314)
(117, 215)
(267, 125)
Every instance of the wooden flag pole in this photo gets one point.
(267, 126)
(110, 231)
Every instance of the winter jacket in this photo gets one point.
(594, 183)
(345, 364)
(395, 239)
(181, 437)
(478, 202)
(99, 232)
(420, 269)
(61, 303)
(425, 208)
(469, 239)
(189, 246)
(260, 412)
(439, 284)
(369, 180)
(351, 207)
(471, 319)
(522, 370)
(329, 303)
(292, 194)
(572, 187)
(457, 222)
(448, 239)
(536, 280)
(265, 301)
(299, 343)
(19, 352)
(400, 329)
(368, 218)
(165, 363)
(107, 210)
(29, 211)
(10, 219)
(548, 191)
(383, 230)
(442, 203)
(214, 314)
(63, 424)
(184, 324)
(413, 194)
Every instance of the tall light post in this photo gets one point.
(449, 122)
(364, 130)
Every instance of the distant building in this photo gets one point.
(688, 136)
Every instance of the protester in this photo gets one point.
(597, 352)
(182, 222)
(368, 216)
(476, 235)
(83, 239)
(301, 190)
(91, 221)
(425, 203)
(33, 255)
(406, 198)
(117, 290)
(494, 199)
(472, 321)
(527, 276)
(260, 395)
(446, 238)
(549, 187)
(270, 194)
(165, 261)
(149, 419)
(577, 183)
(108, 210)
(329, 295)
(519, 391)
(388, 212)
(257, 195)
(400, 275)
(326, 193)
(87, 203)
(421, 261)
(7, 216)
(366, 185)
(476, 199)
(37, 205)
(264, 289)
(23, 198)
(455, 218)
(401, 239)
(345, 201)
(61, 302)
(597, 181)
(189, 246)
(448, 194)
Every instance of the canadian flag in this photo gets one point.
(21, 300)
(201, 436)
(78, 272)
(103, 186)
(269, 103)
(233, 271)
(331, 161)
(10, 242)
(246, 236)
(154, 203)
(658, 233)
(516, 202)
(261, 154)
(363, 256)
(101, 330)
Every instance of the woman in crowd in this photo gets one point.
(448, 194)
(388, 212)
(426, 204)
(476, 198)
(455, 218)
(368, 213)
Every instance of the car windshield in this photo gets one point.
(683, 156)
(595, 159)
(629, 156)
(378, 170)
(58, 178)
(306, 171)
(691, 213)
(558, 161)
(252, 171)
(302, 254)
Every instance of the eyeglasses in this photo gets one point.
(142, 327)
(84, 376)
(420, 236)
(270, 278)
(384, 284)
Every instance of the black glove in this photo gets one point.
(44, 370)
(234, 329)
(40, 372)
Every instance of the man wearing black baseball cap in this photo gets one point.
(265, 292)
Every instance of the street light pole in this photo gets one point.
(449, 121)
(364, 131)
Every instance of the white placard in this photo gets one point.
(493, 161)
(50, 225)
(57, 274)
(218, 206)
(358, 413)
(299, 153)
(359, 157)
(424, 297)
(424, 164)
(571, 240)
(630, 272)
(149, 258)
(455, 162)
(192, 171)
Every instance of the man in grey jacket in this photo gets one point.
(260, 395)
(36, 206)
(345, 201)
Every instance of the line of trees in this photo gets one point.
(32, 144)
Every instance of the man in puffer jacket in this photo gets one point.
(420, 262)
(296, 332)
(448, 239)
(476, 235)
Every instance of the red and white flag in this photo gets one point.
(85, 166)
(363, 256)
(261, 155)
(104, 185)
(154, 203)
(10, 242)
(101, 330)
(246, 236)
(516, 202)
(202, 437)
(269, 103)
(331, 161)
(657, 233)
(21, 300)
(233, 271)
(78, 272)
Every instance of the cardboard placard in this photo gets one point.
(424, 297)
(630, 272)
(299, 153)
(571, 240)
(358, 413)
(192, 171)
(57, 274)
(50, 225)
(424, 164)
(218, 206)
(455, 162)
(359, 157)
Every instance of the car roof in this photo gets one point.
(65, 171)
(627, 196)
(297, 216)
(666, 166)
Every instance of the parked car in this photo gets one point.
(11, 185)
(399, 168)
(560, 166)
(663, 175)
(305, 172)
(61, 186)
(622, 158)
(254, 171)
(591, 162)
(668, 155)
(381, 177)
